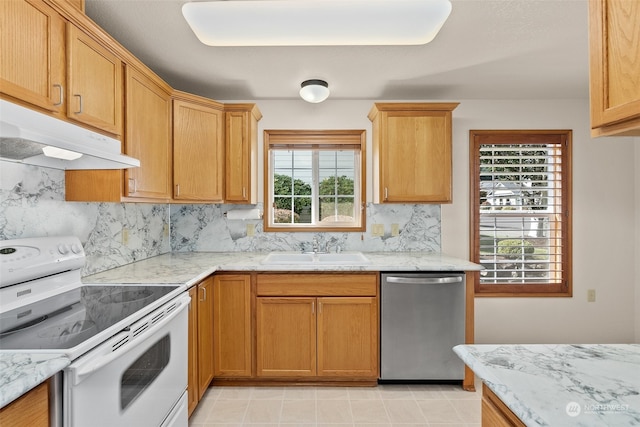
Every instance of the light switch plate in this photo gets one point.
(591, 295)
(251, 230)
(377, 230)
(395, 229)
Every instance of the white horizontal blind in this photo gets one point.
(521, 213)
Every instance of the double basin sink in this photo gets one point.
(342, 258)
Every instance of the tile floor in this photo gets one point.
(381, 406)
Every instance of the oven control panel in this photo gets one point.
(27, 259)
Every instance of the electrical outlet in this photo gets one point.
(125, 236)
(251, 230)
(166, 230)
(395, 229)
(591, 295)
(377, 230)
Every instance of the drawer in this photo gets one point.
(329, 284)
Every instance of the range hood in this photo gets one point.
(26, 135)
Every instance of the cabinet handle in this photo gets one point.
(204, 294)
(319, 308)
(177, 190)
(386, 193)
(60, 95)
(313, 307)
(244, 192)
(80, 99)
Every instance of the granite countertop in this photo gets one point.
(191, 267)
(20, 372)
(562, 384)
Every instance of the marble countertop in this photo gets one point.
(562, 385)
(20, 372)
(191, 267)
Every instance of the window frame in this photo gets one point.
(310, 140)
(563, 287)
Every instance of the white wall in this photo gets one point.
(604, 221)
(605, 216)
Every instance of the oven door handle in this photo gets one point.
(84, 370)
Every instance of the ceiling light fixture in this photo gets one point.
(314, 90)
(316, 22)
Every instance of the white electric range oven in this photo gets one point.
(127, 343)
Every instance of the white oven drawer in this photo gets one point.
(133, 379)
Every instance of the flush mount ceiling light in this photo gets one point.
(316, 22)
(314, 90)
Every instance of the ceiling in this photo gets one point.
(487, 49)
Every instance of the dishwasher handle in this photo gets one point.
(423, 280)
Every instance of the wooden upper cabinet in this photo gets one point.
(241, 145)
(198, 149)
(148, 136)
(94, 82)
(614, 48)
(32, 53)
(412, 160)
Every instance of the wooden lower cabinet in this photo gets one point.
(315, 334)
(200, 367)
(232, 348)
(495, 413)
(193, 396)
(347, 337)
(286, 337)
(31, 409)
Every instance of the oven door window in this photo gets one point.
(141, 373)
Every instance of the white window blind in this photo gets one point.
(522, 213)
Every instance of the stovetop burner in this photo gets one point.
(68, 319)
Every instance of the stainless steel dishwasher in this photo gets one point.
(423, 318)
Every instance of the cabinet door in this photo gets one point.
(198, 152)
(237, 158)
(286, 337)
(94, 77)
(193, 392)
(415, 150)
(232, 325)
(148, 137)
(614, 39)
(32, 53)
(241, 146)
(205, 335)
(348, 337)
(31, 409)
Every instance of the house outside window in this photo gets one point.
(521, 212)
(314, 180)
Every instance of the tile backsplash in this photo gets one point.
(32, 204)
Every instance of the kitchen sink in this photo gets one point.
(288, 258)
(343, 258)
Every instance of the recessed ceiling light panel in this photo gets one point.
(316, 22)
